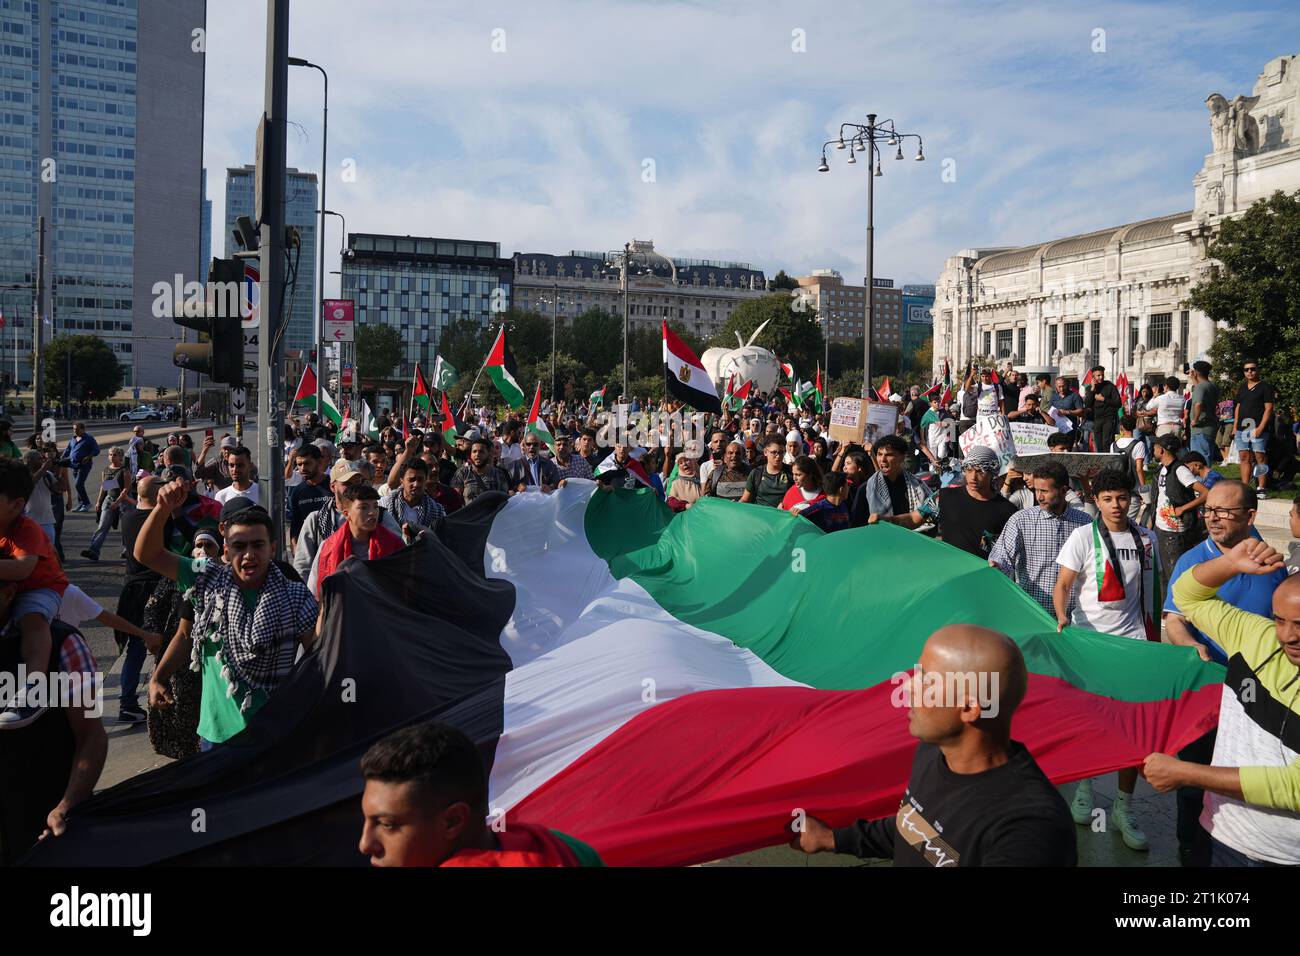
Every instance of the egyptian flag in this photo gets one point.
(501, 369)
(450, 427)
(661, 716)
(685, 376)
(420, 391)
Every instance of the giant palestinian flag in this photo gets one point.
(501, 369)
(668, 688)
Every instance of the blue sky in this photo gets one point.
(542, 146)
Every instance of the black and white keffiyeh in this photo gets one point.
(256, 648)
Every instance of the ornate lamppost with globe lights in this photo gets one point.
(856, 138)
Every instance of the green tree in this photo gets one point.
(529, 334)
(793, 336)
(465, 345)
(379, 350)
(96, 374)
(782, 282)
(1256, 293)
(919, 363)
(597, 337)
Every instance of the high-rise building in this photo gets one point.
(205, 232)
(300, 212)
(842, 309)
(700, 293)
(421, 285)
(101, 132)
(918, 320)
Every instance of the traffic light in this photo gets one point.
(218, 317)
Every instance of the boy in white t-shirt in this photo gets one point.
(1116, 565)
(1169, 408)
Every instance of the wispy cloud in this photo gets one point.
(543, 146)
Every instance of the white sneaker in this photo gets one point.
(1082, 805)
(1129, 831)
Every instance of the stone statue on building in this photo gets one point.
(1222, 134)
(1245, 131)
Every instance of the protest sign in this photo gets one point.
(1079, 464)
(848, 420)
(882, 419)
(1030, 438)
(994, 432)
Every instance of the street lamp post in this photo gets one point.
(1114, 370)
(320, 266)
(343, 242)
(555, 304)
(860, 137)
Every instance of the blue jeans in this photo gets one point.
(135, 652)
(83, 472)
(105, 526)
(205, 745)
(1204, 443)
(1223, 855)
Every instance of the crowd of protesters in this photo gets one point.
(225, 621)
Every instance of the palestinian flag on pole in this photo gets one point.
(501, 369)
(536, 668)
(786, 392)
(420, 393)
(306, 393)
(788, 371)
(536, 424)
(685, 376)
(739, 396)
(449, 427)
(598, 396)
(803, 393)
(819, 397)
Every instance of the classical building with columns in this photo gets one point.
(1115, 297)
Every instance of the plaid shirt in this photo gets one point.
(471, 484)
(576, 468)
(1027, 549)
(76, 660)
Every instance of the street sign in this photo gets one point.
(339, 324)
(251, 301)
(347, 376)
(238, 402)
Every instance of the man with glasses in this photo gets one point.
(567, 464)
(1230, 517)
(532, 470)
(768, 485)
(1252, 417)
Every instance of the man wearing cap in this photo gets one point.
(1178, 494)
(1203, 418)
(972, 516)
(241, 484)
(350, 445)
(324, 521)
(568, 464)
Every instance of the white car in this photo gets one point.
(142, 414)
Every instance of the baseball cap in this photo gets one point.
(234, 506)
(229, 442)
(344, 471)
(983, 458)
(326, 446)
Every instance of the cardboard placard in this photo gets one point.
(993, 432)
(862, 421)
(1080, 464)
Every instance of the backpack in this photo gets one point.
(1130, 462)
(970, 402)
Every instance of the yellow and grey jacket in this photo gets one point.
(1259, 729)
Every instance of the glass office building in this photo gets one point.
(918, 324)
(121, 202)
(300, 188)
(421, 285)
